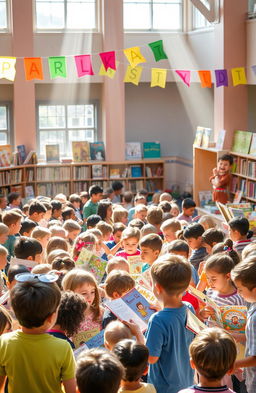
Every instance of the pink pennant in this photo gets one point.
(84, 65)
(108, 59)
(185, 76)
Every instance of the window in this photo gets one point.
(66, 14)
(153, 14)
(5, 132)
(199, 21)
(3, 15)
(62, 124)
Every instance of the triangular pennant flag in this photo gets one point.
(238, 76)
(134, 56)
(110, 73)
(7, 68)
(133, 75)
(57, 67)
(108, 59)
(254, 69)
(158, 77)
(83, 65)
(184, 75)
(205, 78)
(33, 68)
(221, 78)
(158, 50)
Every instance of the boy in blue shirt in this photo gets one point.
(167, 337)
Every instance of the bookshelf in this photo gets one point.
(244, 176)
(51, 179)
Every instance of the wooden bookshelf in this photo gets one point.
(244, 176)
(51, 179)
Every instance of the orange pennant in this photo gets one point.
(206, 78)
(33, 68)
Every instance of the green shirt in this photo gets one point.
(9, 245)
(90, 208)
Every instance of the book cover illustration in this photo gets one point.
(81, 151)
(198, 136)
(97, 171)
(5, 155)
(147, 276)
(147, 294)
(234, 318)
(205, 197)
(132, 306)
(253, 145)
(220, 139)
(97, 151)
(135, 264)
(141, 281)
(21, 153)
(151, 150)
(52, 153)
(31, 158)
(133, 151)
(82, 337)
(114, 173)
(241, 142)
(136, 171)
(92, 263)
(97, 341)
(206, 137)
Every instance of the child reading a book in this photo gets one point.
(150, 246)
(134, 358)
(84, 240)
(73, 229)
(130, 241)
(211, 237)
(221, 178)
(169, 229)
(212, 354)
(193, 235)
(98, 371)
(105, 210)
(167, 337)
(188, 208)
(239, 232)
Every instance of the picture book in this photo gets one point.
(148, 294)
(92, 263)
(52, 153)
(241, 142)
(81, 151)
(136, 171)
(133, 151)
(253, 145)
(147, 276)
(135, 263)
(193, 323)
(31, 158)
(96, 341)
(82, 337)
(198, 136)
(21, 149)
(97, 151)
(205, 197)
(141, 280)
(226, 214)
(206, 137)
(220, 139)
(114, 173)
(97, 171)
(5, 155)
(131, 306)
(151, 150)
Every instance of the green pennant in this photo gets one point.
(57, 67)
(158, 50)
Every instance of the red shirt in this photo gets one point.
(192, 300)
(125, 255)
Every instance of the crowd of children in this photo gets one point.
(51, 303)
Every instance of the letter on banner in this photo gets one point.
(133, 74)
(109, 60)
(7, 68)
(134, 56)
(185, 76)
(57, 67)
(110, 73)
(221, 78)
(238, 76)
(158, 50)
(33, 68)
(83, 65)
(158, 77)
(205, 78)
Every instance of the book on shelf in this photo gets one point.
(133, 151)
(97, 171)
(21, 149)
(253, 145)
(241, 142)
(5, 155)
(52, 153)
(31, 158)
(220, 139)
(29, 192)
(148, 171)
(198, 136)
(114, 173)
(238, 196)
(151, 150)
(81, 151)
(92, 263)
(97, 151)
(206, 137)
(136, 171)
(17, 188)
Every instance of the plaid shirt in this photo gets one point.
(250, 332)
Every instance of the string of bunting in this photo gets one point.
(33, 67)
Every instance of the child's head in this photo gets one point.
(165, 196)
(63, 264)
(193, 235)
(95, 193)
(117, 187)
(179, 247)
(36, 211)
(211, 237)
(188, 207)
(4, 231)
(85, 240)
(57, 230)
(105, 209)
(213, 353)
(42, 235)
(130, 240)
(27, 227)
(136, 223)
(134, 358)
(56, 209)
(75, 200)
(106, 230)
(239, 229)
(243, 276)
(224, 164)
(92, 221)
(118, 283)
(98, 371)
(147, 229)
(118, 229)
(42, 268)
(14, 199)
(72, 228)
(155, 216)
(48, 213)
(117, 263)
(55, 243)
(35, 303)
(3, 257)
(61, 197)
(175, 211)
(5, 321)
(114, 332)
(169, 229)
(140, 199)
(84, 195)
(68, 214)
(13, 271)
(249, 250)
(56, 253)
(218, 268)
(13, 220)
(120, 214)
(207, 222)
(150, 246)
(171, 276)
(141, 212)
(128, 197)
(227, 247)
(108, 193)
(165, 206)
(28, 248)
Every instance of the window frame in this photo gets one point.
(9, 119)
(201, 28)
(66, 129)
(8, 19)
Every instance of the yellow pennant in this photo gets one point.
(238, 76)
(110, 72)
(158, 77)
(7, 68)
(133, 74)
(134, 56)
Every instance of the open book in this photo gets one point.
(135, 263)
(95, 342)
(92, 263)
(132, 306)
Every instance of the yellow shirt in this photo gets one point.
(35, 363)
(146, 388)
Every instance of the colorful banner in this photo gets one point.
(205, 78)
(185, 76)
(108, 59)
(133, 74)
(57, 67)
(238, 76)
(33, 68)
(158, 77)
(221, 78)
(134, 56)
(110, 73)
(7, 68)
(158, 50)
(83, 65)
